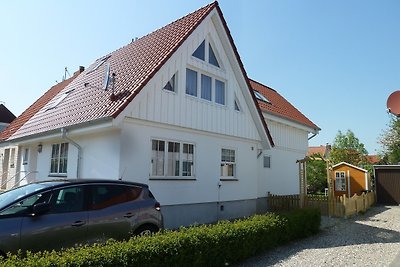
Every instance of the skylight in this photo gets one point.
(59, 100)
(261, 97)
(98, 63)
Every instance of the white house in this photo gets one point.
(173, 109)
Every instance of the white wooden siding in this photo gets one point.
(179, 109)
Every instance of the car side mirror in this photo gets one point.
(40, 208)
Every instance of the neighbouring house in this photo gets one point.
(6, 117)
(175, 110)
(321, 151)
(350, 180)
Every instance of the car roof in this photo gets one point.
(90, 181)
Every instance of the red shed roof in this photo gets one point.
(279, 106)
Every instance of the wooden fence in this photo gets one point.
(340, 206)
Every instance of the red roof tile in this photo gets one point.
(35, 107)
(134, 65)
(279, 106)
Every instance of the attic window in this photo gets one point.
(98, 63)
(200, 51)
(171, 84)
(261, 97)
(237, 106)
(59, 99)
(212, 59)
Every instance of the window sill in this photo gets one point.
(228, 179)
(171, 178)
(57, 175)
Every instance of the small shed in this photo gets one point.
(350, 179)
(387, 184)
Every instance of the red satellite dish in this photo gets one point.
(393, 103)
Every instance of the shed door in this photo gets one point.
(388, 186)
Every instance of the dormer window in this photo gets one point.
(204, 51)
(261, 97)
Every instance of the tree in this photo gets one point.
(347, 148)
(316, 175)
(390, 142)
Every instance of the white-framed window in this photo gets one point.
(12, 158)
(201, 53)
(267, 161)
(228, 163)
(25, 156)
(171, 84)
(59, 159)
(219, 92)
(340, 181)
(191, 82)
(211, 88)
(172, 159)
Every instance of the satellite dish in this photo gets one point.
(106, 77)
(393, 103)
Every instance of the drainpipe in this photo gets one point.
(311, 137)
(78, 165)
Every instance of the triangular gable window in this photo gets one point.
(170, 85)
(237, 106)
(212, 59)
(200, 51)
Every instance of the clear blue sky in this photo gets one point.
(336, 61)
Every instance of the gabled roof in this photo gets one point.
(6, 116)
(319, 150)
(349, 165)
(134, 65)
(279, 106)
(35, 107)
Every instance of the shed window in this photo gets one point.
(340, 181)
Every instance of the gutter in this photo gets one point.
(78, 165)
(312, 136)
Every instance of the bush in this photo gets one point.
(206, 245)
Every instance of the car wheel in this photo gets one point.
(146, 230)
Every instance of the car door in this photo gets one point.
(10, 230)
(63, 225)
(112, 211)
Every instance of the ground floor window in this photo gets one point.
(340, 181)
(172, 159)
(59, 159)
(228, 163)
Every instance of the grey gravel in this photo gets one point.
(371, 239)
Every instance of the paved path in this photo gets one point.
(372, 239)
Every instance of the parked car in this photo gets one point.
(65, 213)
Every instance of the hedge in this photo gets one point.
(219, 244)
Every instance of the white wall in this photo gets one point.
(136, 164)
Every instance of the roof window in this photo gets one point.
(261, 97)
(98, 63)
(60, 98)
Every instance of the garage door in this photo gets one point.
(388, 186)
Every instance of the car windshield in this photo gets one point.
(10, 196)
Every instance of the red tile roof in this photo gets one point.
(316, 150)
(279, 106)
(373, 159)
(35, 107)
(134, 64)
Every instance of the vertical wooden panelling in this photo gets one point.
(388, 186)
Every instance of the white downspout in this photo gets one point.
(78, 165)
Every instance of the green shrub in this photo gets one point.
(206, 245)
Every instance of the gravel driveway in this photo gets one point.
(372, 239)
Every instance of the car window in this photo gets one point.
(25, 205)
(70, 199)
(104, 196)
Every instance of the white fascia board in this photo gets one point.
(289, 122)
(79, 129)
(240, 78)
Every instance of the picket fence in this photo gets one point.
(340, 206)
